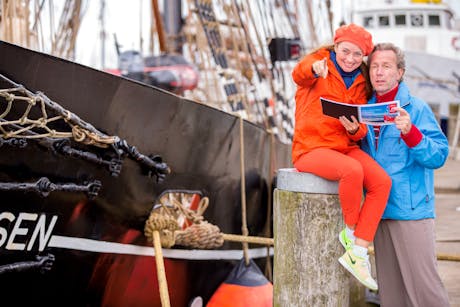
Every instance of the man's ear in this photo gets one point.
(401, 74)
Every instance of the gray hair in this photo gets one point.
(400, 60)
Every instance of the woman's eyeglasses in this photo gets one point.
(346, 52)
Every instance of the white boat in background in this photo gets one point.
(428, 33)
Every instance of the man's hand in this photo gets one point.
(351, 126)
(320, 68)
(402, 121)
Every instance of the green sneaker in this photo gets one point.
(345, 240)
(359, 267)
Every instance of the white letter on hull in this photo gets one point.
(20, 231)
(44, 235)
(3, 233)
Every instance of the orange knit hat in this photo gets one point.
(355, 34)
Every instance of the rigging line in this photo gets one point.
(7, 18)
(40, 37)
(76, 21)
(250, 17)
(246, 68)
(263, 17)
(235, 42)
(272, 15)
(236, 55)
(330, 16)
(38, 11)
(312, 31)
(211, 26)
(61, 32)
(244, 226)
(267, 228)
(205, 53)
(22, 10)
(289, 15)
(268, 69)
(52, 25)
(141, 39)
(249, 48)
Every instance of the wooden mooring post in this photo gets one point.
(307, 220)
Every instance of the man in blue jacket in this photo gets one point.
(409, 151)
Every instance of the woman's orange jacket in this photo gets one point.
(313, 129)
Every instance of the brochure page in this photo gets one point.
(372, 114)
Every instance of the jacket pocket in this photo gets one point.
(400, 194)
(393, 153)
(422, 190)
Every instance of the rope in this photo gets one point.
(439, 256)
(28, 128)
(159, 228)
(161, 273)
(448, 257)
(244, 225)
(165, 225)
(200, 235)
(267, 230)
(205, 236)
(248, 239)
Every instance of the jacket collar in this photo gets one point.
(358, 78)
(403, 95)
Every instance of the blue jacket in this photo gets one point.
(410, 169)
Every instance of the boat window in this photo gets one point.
(416, 20)
(384, 20)
(368, 21)
(434, 20)
(400, 20)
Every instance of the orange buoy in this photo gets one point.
(244, 286)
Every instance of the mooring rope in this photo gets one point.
(204, 235)
(200, 235)
(439, 256)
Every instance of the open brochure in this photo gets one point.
(372, 114)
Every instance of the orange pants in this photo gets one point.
(354, 170)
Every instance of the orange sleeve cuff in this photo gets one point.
(413, 137)
(362, 131)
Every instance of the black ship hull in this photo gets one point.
(100, 254)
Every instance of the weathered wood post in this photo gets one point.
(307, 220)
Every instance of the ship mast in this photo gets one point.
(159, 27)
(173, 23)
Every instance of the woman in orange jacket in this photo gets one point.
(328, 147)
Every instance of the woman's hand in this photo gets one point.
(351, 126)
(320, 68)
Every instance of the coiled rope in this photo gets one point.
(200, 235)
